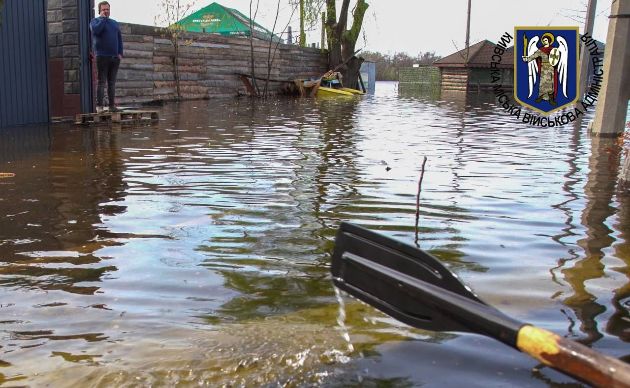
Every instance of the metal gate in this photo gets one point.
(23, 63)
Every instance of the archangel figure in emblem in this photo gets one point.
(548, 65)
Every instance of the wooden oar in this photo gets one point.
(415, 288)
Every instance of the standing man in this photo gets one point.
(108, 47)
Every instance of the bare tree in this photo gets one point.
(271, 58)
(252, 16)
(272, 48)
(172, 12)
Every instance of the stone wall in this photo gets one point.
(208, 65)
(64, 57)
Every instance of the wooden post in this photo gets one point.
(289, 35)
(610, 114)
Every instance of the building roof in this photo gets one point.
(479, 55)
(218, 19)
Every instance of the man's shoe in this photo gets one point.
(100, 109)
(114, 109)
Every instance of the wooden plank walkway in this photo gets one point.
(123, 117)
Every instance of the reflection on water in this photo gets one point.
(196, 251)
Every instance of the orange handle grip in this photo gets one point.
(573, 358)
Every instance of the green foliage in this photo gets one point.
(387, 65)
(312, 12)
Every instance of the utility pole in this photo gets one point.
(468, 31)
(584, 54)
(612, 105)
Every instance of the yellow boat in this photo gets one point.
(330, 92)
(353, 91)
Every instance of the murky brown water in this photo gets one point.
(196, 251)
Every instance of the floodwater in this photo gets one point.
(195, 251)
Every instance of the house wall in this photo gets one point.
(208, 65)
(480, 78)
(454, 79)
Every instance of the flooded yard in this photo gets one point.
(196, 251)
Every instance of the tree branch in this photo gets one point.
(353, 33)
(343, 17)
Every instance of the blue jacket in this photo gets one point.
(106, 37)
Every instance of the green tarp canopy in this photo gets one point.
(217, 19)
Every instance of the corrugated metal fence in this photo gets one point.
(23, 63)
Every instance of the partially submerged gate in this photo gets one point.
(23, 63)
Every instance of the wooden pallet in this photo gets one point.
(135, 116)
(122, 117)
(93, 118)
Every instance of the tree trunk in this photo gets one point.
(351, 73)
(342, 42)
(334, 39)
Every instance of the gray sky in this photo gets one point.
(411, 26)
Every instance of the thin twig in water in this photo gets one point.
(418, 199)
(251, 43)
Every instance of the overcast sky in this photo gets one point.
(411, 26)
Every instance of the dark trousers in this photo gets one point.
(107, 68)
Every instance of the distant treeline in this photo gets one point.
(387, 65)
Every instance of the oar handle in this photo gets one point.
(573, 358)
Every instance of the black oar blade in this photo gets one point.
(413, 287)
(398, 279)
